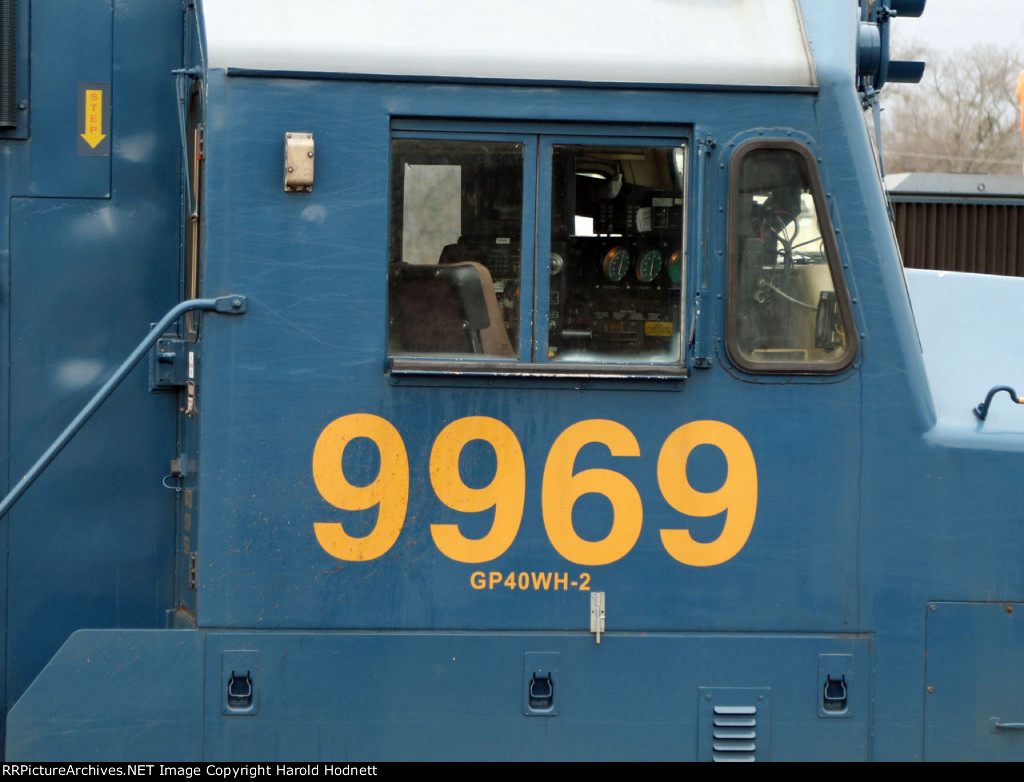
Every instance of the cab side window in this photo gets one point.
(788, 307)
(556, 253)
(456, 230)
(616, 253)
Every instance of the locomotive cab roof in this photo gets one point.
(730, 42)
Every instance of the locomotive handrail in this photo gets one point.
(982, 410)
(228, 305)
(998, 724)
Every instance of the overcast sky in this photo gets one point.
(948, 25)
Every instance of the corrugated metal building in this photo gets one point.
(960, 222)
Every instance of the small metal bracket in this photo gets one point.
(701, 355)
(193, 565)
(190, 398)
(231, 305)
(298, 162)
(168, 368)
(597, 614)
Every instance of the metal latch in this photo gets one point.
(240, 682)
(298, 162)
(240, 691)
(834, 697)
(540, 675)
(837, 683)
(597, 614)
(542, 692)
(172, 365)
(168, 368)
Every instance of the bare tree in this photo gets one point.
(962, 118)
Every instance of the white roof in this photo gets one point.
(713, 42)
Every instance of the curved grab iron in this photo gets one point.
(229, 305)
(982, 410)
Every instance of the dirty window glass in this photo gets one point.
(456, 228)
(786, 311)
(616, 253)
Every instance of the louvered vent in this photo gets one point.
(735, 724)
(734, 734)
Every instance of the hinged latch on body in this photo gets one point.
(168, 364)
(597, 614)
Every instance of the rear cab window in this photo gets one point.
(788, 307)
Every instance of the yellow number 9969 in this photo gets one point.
(561, 487)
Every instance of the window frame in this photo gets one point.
(832, 254)
(539, 142)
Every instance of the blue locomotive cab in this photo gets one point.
(550, 389)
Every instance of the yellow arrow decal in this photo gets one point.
(93, 134)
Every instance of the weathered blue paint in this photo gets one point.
(90, 260)
(878, 496)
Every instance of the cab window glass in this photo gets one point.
(788, 310)
(616, 262)
(538, 249)
(456, 228)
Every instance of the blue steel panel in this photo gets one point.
(92, 543)
(432, 697)
(974, 706)
(917, 502)
(369, 697)
(313, 266)
(865, 513)
(72, 42)
(127, 696)
(92, 540)
(820, 535)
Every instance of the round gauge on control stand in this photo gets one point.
(616, 263)
(675, 267)
(648, 265)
